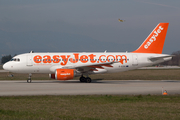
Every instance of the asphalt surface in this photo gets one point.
(97, 87)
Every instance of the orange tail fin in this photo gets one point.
(155, 41)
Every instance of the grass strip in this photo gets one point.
(89, 107)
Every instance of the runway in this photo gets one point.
(3, 71)
(101, 87)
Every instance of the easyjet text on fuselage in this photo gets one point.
(76, 57)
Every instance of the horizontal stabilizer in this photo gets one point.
(159, 58)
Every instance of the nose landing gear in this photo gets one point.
(29, 78)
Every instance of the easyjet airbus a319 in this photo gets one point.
(65, 66)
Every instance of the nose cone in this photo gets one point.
(6, 66)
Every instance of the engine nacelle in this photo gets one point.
(63, 74)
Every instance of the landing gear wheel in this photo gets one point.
(88, 80)
(82, 79)
(28, 80)
(85, 79)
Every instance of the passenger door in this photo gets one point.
(29, 60)
(135, 60)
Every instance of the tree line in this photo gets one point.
(5, 59)
(175, 61)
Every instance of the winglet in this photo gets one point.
(155, 41)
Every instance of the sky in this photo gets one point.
(85, 25)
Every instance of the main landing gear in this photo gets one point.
(29, 78)
(85, 79)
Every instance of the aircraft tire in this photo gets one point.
(88, 80)
(82, 79)
(28, 80)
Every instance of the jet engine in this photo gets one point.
(63, 74)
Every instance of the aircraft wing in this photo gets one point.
(85, 67)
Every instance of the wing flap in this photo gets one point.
(90, 66)
(107, 64)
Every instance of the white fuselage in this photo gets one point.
(49, 62)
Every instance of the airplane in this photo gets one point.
(121, 20)
(66, 66)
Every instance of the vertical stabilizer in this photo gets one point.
(155, 41)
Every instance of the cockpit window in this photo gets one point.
(15, 59)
